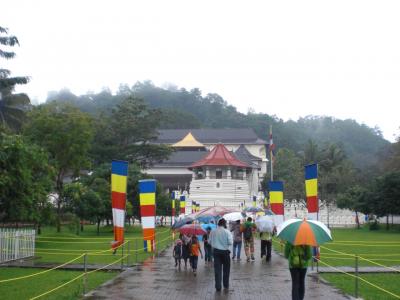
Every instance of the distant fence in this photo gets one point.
(16, 244)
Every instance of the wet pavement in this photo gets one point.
(158, 279)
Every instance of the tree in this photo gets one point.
(127, 133)
(289, 169)
(25, 181)
(66, 133)
(356, 198)
(12, 106)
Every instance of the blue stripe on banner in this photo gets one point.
(145, 246)
(147, 186)
(182, 198)
(173, 195)
(275, 186)
(119, 167)
(311, 171)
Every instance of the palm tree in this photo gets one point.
(12, 106)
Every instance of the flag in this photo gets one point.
(276, 200)
(311, 181)
(119, 173)
(147, 197)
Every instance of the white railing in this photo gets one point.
(16, 244)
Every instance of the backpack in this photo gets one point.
(178, 250)
(248, 233)
(298, 257)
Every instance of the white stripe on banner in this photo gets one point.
(118, 217)
(312, 216)
(278, 219)
(148, 222)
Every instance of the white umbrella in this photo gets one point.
(233, 216)
(265, 224)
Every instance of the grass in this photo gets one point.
(53, 247)
(58, 248)
(34, 286)
(386, 281)
(378, 246)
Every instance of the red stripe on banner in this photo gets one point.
(182, 210)
(149, 233)
(312, 204)
(147, 210)
(118, 200)
(277, 208)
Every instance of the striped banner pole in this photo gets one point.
(182, 204)
(311, 180)
(147, 197)
(119, 174)
(173, 208)
(276, 200)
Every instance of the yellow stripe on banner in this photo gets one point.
(147, 199)
(173, 203)
(149, 246)
(276, 197)
(311, 187)
(183, 203)
(118, 183)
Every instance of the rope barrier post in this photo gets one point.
(356, 273)
(122, 257)
(136, 251)
(85, 276)
(129, 253)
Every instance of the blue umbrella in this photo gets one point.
(205, 226)
(180, 223)
(205, 219)
(253, 209)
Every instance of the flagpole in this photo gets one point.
(270, 153)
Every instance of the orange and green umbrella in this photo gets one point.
(304, 232)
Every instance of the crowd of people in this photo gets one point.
(219, 243)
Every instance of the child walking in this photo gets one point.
(194, 253)
(177, 252)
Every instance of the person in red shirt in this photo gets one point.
(194, 253)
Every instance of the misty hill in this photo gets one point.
(190, 109)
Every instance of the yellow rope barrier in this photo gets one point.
(42, 272)
(79, 276)
(362, 279)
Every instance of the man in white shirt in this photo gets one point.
(221, 240)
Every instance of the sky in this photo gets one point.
(285, 58)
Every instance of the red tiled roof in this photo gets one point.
(219, 156)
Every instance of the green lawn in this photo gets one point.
(34, 286)
(53, 247)
(389, 282)
(379, 246)
(58, 248)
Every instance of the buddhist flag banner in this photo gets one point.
(254, 201)
(173, 208)
(194, 206)
(276, 200)
(311, 174)
(147, 197)
(197, 207)
(119, 173)
(182, 204)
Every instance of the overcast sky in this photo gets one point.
(289, 58)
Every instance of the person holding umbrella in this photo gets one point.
(221, 240)
(299, 257)
(301, 235)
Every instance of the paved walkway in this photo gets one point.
(158, 279)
